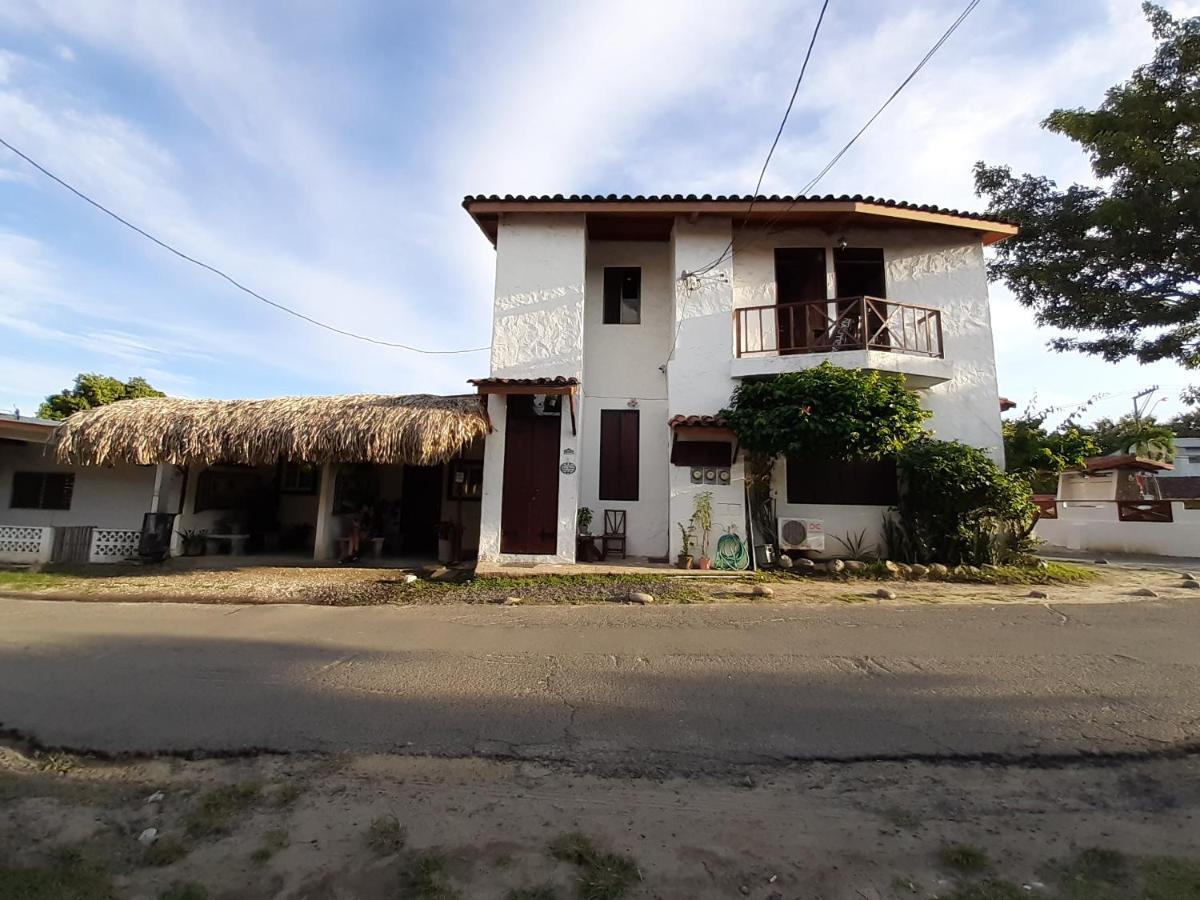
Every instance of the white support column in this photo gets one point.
(160, 488)
(323, 535)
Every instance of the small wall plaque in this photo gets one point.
(567, 468)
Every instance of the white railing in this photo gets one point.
(25, 543)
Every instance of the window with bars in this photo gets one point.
(841, 482)
(42, 490)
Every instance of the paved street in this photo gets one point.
(679, 688)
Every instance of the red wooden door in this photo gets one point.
(529, 511)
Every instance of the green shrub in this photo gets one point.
(958, 507)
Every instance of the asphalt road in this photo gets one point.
(643, 688)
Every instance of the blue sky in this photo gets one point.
(319, 153)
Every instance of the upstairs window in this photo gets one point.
(859, 272)
(42, 490)
(622, 295)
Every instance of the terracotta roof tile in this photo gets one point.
(555, 381)
(698, 422)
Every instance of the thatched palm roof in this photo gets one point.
(419, 429)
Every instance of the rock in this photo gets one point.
(1100, 562)
(938, 570)
(974, 571)
(761, 590)
(885, 594)
(835, 567)
(1037, 595)
(156, 797)
(918, 570)
(989, 568)
(745, 889)
(891, 568)
(905, 569)
(1145, 592)
(854, 565)
(513, 601)
(1191, 583)
(410, 578)
(1187, 576)
(804, 564)
(785, 562)
(148, 837)
(639, 597)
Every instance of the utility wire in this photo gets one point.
(203, 265)
(775, 143)
(970, 8)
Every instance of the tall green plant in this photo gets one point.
(702, 518)
(957, 506)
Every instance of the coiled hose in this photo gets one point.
(731, 553)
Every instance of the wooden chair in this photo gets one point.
(614, 531)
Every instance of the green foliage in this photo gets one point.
(1123, 259)
(964, 859)
(602, 876)
(91, 390)
(1144, 437)
(67, 878)
(216, 811)
(386, 835)
(957, 506)
(1038, 455)
(702, 519)
(826, 412)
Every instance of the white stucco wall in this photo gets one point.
(104, 496)
(537, 327)
(1097, 529)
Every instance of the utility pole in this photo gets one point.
(1138, 410)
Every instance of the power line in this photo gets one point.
(775, 143)
(203, 265)
(970, 8)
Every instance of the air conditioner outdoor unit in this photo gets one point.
(801, 534)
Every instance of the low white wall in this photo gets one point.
(25, 543)
(1095, 527)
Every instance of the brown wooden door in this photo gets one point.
(529, 511)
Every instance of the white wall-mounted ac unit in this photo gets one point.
(801, 534)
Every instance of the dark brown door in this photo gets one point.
(529, 512)
(800, 277)
(421, 509)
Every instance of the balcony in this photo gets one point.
(853, 332)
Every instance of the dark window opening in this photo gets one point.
(859, 272)
(702, 453)
(619, 454)
(622, 295)
(42, 490)
(841, 482)
(800, 276)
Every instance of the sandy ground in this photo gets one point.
(841, 832)
(370, 586)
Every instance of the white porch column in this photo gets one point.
(323, 536)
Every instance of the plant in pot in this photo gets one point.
(687, 533)
(585, 520)
(193, 541)
(703, 520)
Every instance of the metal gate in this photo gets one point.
(72, 544)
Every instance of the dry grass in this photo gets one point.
(417, 429)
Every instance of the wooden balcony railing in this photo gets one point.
(845, 323)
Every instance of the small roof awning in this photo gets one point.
(33, 431)
(1125, 461)
(557, 384)
(702, 426)
(709, 430)
(554, 385)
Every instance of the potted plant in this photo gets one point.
(685, 550)
(702, 519)
(447, 533)
(585, 520)
(193, 541)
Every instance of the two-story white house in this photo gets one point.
(623, 324)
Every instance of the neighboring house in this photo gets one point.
(623, 324)
(1119, 504)
(1183, 482)
(51, 510)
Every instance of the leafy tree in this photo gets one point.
(1187, 423)
(957, 506)
(1143, 437)
(1038, 455)
(1122, 259)
(91, 390)
(826, 412)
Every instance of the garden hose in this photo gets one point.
(731, 553)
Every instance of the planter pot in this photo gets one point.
(193, 548)
(705, 562)
(445, 551)
(684, 562)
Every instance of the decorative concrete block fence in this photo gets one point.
(113, 545)
(25, 543)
